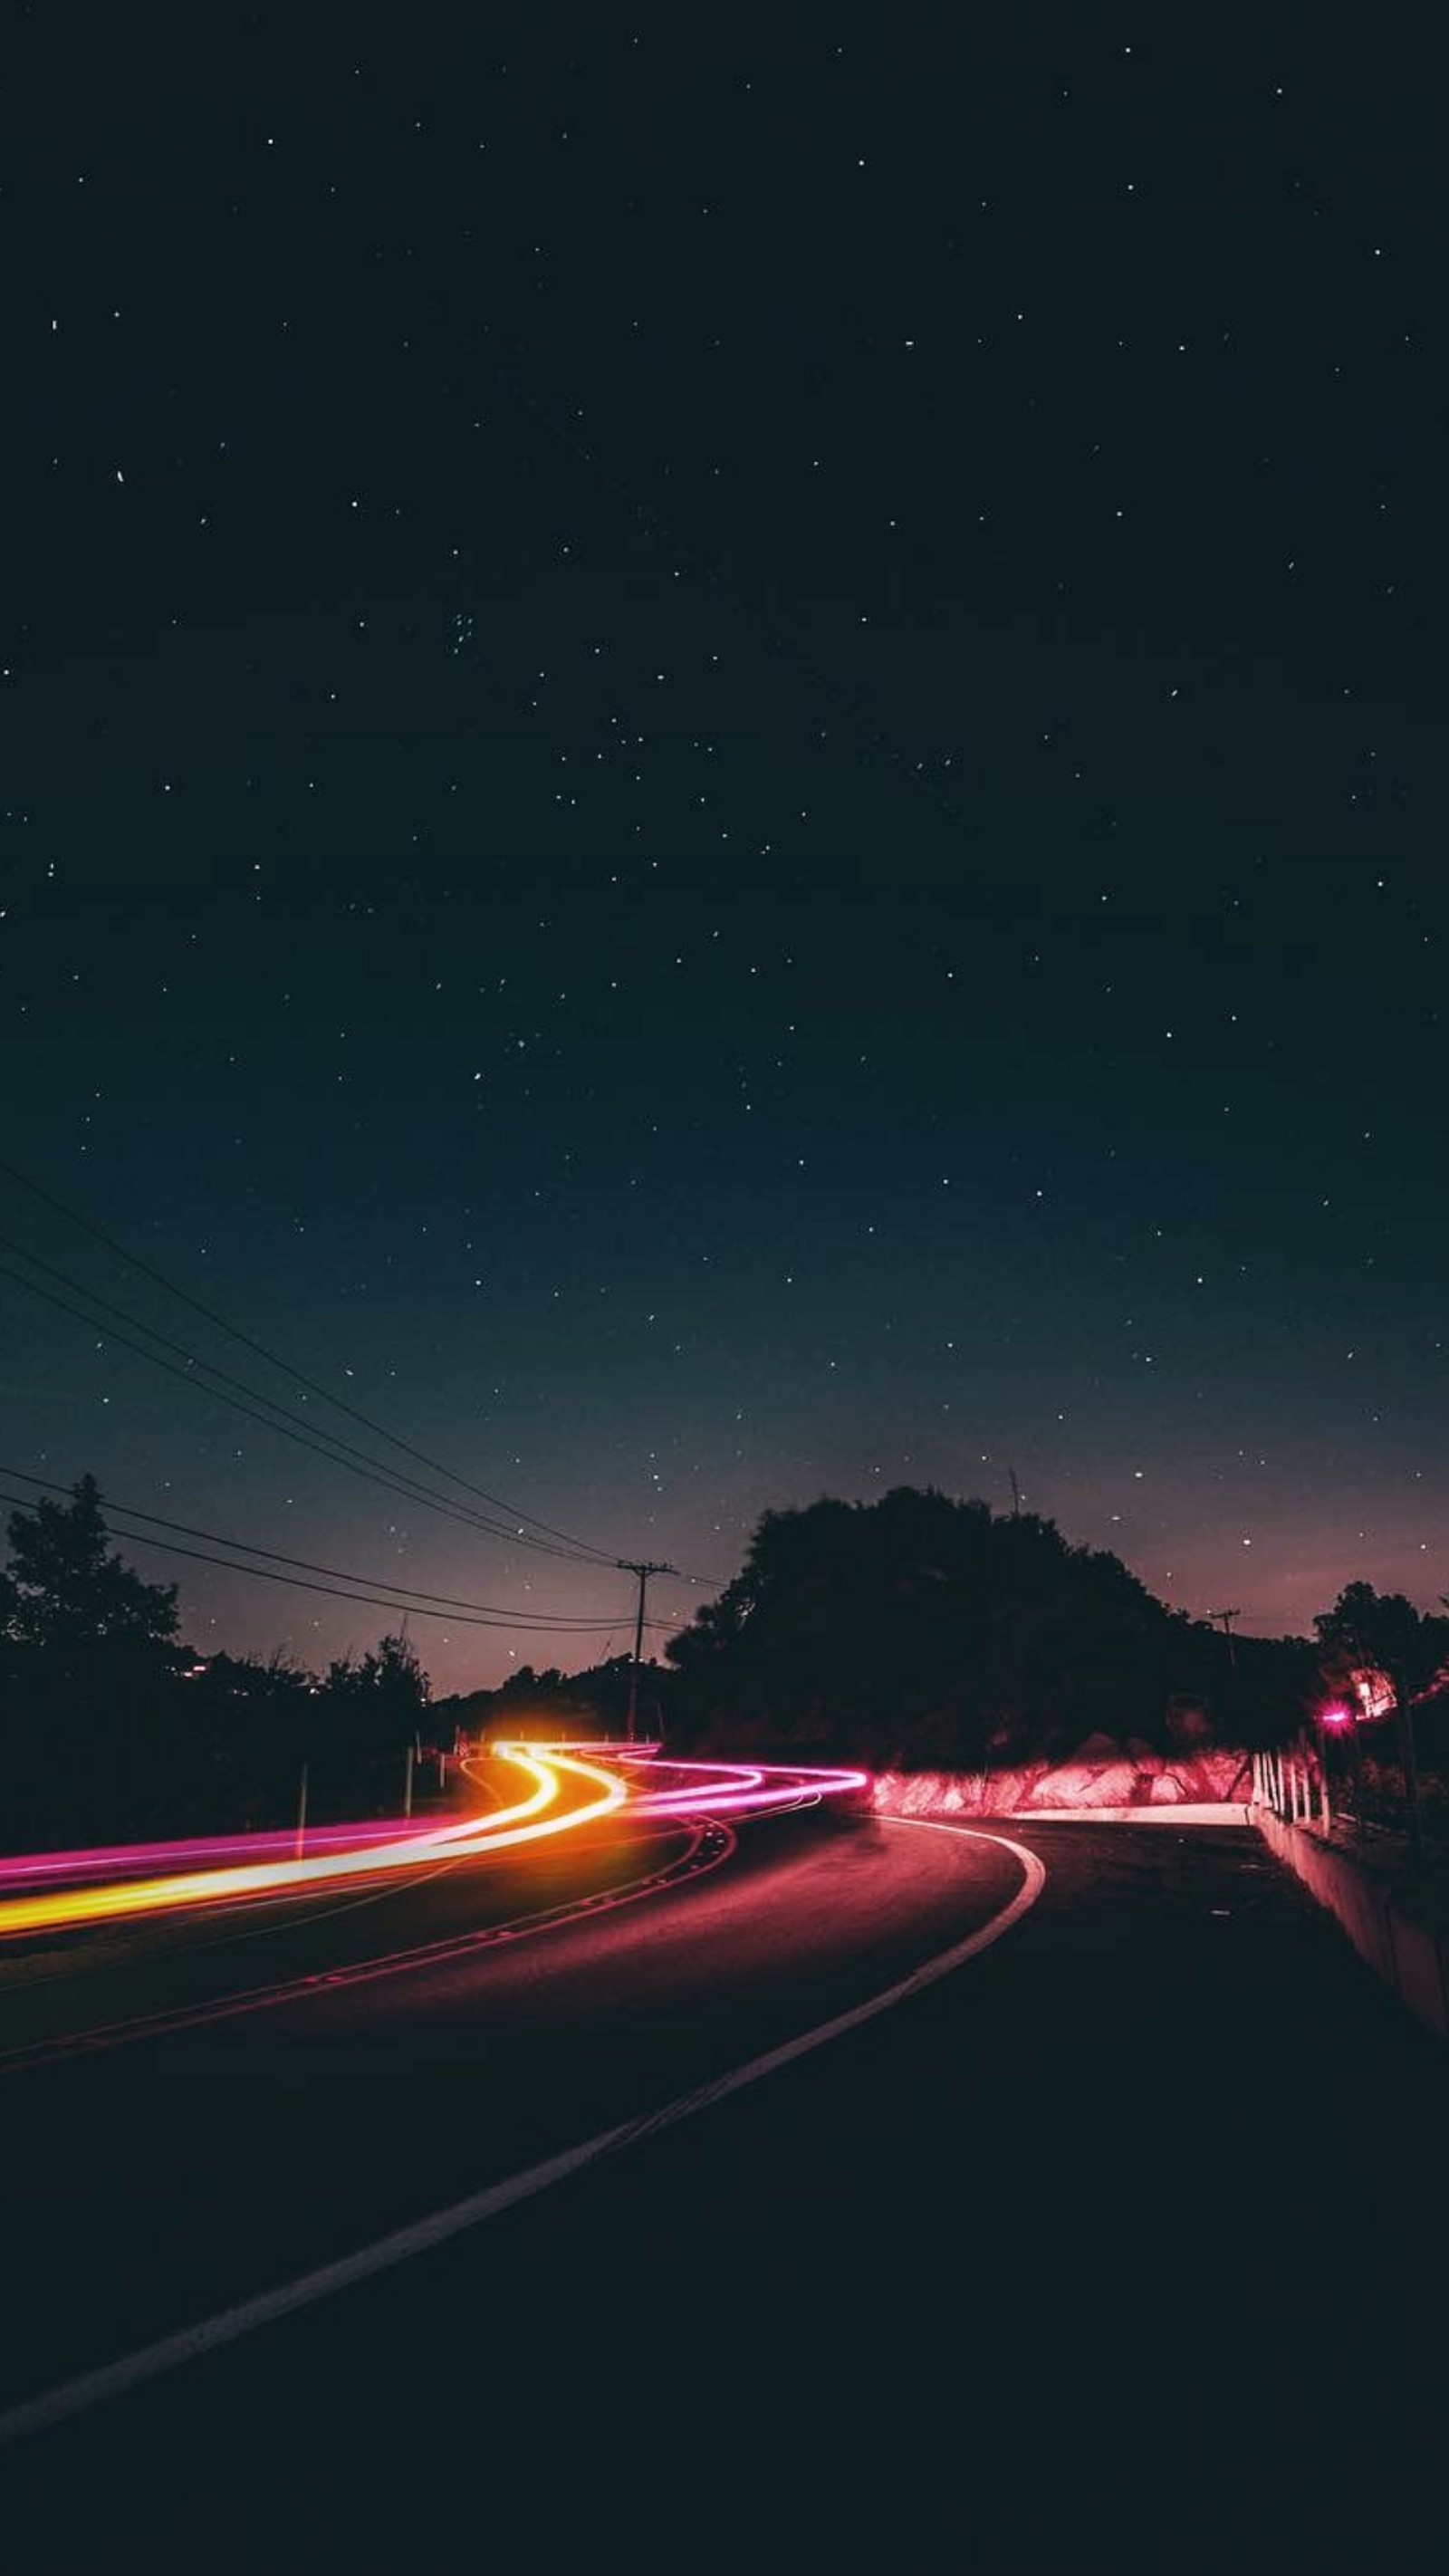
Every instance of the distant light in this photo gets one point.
(1338, 1715)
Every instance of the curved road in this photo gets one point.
(281, 2085)
(988, 2281)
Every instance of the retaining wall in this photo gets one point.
(1101, 1780)
(1398, 1923)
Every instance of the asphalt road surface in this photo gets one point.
(1121, 2246)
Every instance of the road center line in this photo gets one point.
(193, 2343)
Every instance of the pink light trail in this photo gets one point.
(45, 1891)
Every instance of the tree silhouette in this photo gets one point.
(65, 1594)
(377, 1701)
(256, 1715)
(921, 1631)
(925, 1631)
(93, 1725)
(1382, 1632)
(592, 1702)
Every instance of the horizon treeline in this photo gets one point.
(914, 1632)
(111, 1725)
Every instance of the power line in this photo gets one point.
(643, 1567)
(1227, 1617)
(299, 1583)
(356, 1461)
(278, 1417)
(378, 1582)
(584, 1547)
(655, 528)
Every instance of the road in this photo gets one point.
(1113, 2248)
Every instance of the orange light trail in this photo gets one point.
(525, 1822)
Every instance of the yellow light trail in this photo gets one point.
(526, 1821)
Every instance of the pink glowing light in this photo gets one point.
(200, 1851)
(734, 1788)
(43, 1891)
(43, 1908)
(1373, 1690)
(1338, 1715)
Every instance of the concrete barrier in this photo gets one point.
(1396, 1920)
(1221, 1811)
(1102, 1781)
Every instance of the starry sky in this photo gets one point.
(724, 778)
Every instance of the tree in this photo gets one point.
(255, 1715)
(90, 1670)
(379, 1699)
(594, 1701)
(66, 1595)
(920, 1631)
(1381, 1632)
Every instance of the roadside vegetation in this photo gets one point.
(112, 1726)
(914, 1633)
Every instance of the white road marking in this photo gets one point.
(192, 2343)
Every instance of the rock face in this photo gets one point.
(1098, 1783)
(1100, 1774)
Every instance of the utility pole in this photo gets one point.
(1015, 1495)
(643, 1568)
(1227, 1617)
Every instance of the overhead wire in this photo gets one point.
(278, 1417)
(495, 1502)
(341, 1453)
(655, 528)
(298, 1583)
(493, 1610)
(356, 1463)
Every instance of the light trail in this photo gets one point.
(740, 1789)
(58, 1891)
(707, 1847)
(97, 2385)
(525, 1822)
(200, 1851)
(730, 1787)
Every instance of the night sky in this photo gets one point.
(724, 778)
